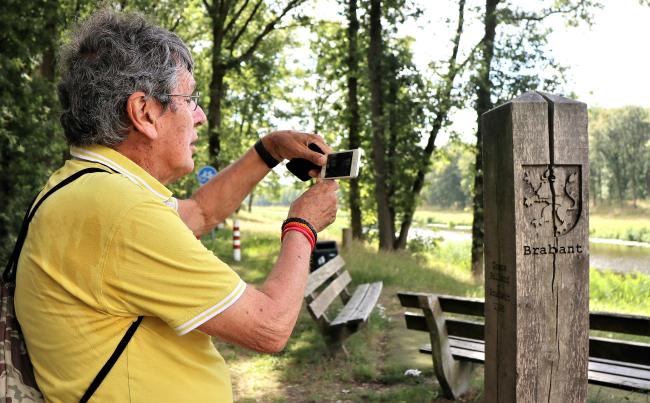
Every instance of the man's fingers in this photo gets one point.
(334, 185)
(317, 158)
(320, 142)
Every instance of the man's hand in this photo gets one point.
(317, 205)
(289, 144)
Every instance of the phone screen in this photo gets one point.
(339, 164)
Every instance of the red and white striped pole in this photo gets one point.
(236, 242)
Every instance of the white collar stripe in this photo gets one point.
(94, 157)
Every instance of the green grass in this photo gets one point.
(611, 291)
(380, 353)
(624, 228)
(430, 215)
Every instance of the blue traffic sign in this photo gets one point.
(206, 173)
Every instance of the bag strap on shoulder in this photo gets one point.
(9, 275)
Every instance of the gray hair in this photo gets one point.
(111, 56)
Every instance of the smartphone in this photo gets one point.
(342, 165)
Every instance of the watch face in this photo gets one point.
(339, 164)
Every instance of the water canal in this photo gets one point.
(605, 254)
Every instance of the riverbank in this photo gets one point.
(604, 254)
(605, 222)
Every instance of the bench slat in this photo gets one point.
(320, 275)
(605, 321)
(616, 381)
(619, 350)
(462, 305)
(455, 327)
(465, 328)
(416, 321)
(595, 364)
(360, 305)
(619, 323)
(614, 363)
(449, 303)
(601, 372)
(467, 344)
(468, 355)
(619, 368)
(323, 301)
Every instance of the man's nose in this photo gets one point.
(199, 117)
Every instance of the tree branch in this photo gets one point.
(443, 93)
(208, 6)
(235, 18)
(235, 39)
(523, 16)
(176, 23)
(269, 27)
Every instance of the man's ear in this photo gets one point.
(143, 112)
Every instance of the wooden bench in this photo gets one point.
(327, 283)
(458, 342)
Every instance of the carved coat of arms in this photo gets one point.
(552, 196)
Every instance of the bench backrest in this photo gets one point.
(324, 285)
(600, 347)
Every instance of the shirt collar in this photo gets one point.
(120, 163)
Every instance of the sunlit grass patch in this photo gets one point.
(430, 215)
(611, 291)
(445, 269)
(621, 222)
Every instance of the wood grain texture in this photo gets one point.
(452, 375)
(319, 276)
(359, 307)
(325, 298)
(612, 362)
(536, 250)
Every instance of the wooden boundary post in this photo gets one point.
(536, 250)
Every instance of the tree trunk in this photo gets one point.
(218, 12)
(391, 102)
(375, 51)
(50, 37)
(250, 201)
(483, 104)
(353, 107)
(217, 92)
(443, 95)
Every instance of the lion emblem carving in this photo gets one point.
(552, 196)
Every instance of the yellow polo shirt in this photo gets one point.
(102, 251)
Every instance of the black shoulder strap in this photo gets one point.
(111, 361)
(10, 275)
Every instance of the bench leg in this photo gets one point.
(453, 376)
(334, 339)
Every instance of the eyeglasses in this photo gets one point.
(192, 100)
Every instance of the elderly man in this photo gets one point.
(114, 246)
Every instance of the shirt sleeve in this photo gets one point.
(155, 266)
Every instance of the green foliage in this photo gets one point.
(31, 142)
(611, 291)
(619, 154)
(449, 184)
(419, 245)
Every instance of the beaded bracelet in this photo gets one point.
(265, 155)
(301, 221)
(302, 230)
